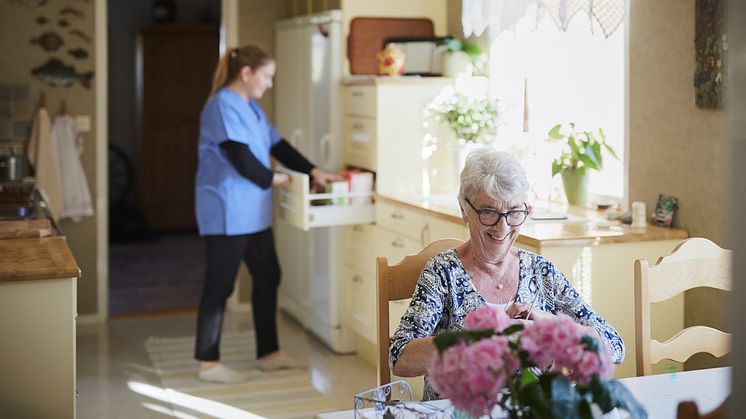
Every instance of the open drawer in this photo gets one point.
(294, 205)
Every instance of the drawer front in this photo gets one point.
(441, 229)
(360, 100)
(360, 144)
(360, 248)
(395, 246)
(408, 223)
(361, 312)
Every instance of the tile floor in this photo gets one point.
(111, 358)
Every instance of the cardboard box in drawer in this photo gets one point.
(360, 181)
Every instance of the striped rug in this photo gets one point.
(279, 394)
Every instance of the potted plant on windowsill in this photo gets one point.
(462, 57)
(581, 152)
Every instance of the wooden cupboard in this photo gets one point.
(175, 63)
(38, 298)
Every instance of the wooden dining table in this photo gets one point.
(659, 394)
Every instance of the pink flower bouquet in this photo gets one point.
(547, 368)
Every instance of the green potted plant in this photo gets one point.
(462, 57)
(581, 152)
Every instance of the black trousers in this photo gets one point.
(223, 256)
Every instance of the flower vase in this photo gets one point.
(459, 151)
(457, 63)
(576, 187)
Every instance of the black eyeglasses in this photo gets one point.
(490, 217)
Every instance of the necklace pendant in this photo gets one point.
(500, 286)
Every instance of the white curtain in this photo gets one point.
(502, 15)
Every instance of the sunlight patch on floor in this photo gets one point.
(197, 404)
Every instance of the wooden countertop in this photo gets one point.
(370, 80)
(20, 229)
(585, 227)
(30, 259)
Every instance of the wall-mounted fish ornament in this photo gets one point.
(31, 3)
(49, 41)
(57, 73)
(80, 35)
(78, 53)
(71, 13)
(42, 20)
(62, 23)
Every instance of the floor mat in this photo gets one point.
(279, 394)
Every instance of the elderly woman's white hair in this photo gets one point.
(499, 173)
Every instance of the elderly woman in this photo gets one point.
(487, 270)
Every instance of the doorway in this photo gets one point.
(161, 57)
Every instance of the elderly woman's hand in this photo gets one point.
(519, 310)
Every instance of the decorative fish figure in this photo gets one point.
(63, 23)
(71, 13)
(57, 73)
(78, 53)
(31, 3)
(49, 41)
(80, 35)
(42, 20)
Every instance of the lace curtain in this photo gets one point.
(502, 15)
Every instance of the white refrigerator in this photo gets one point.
(309, 58)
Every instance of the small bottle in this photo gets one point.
(638, 215)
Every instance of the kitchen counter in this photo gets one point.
(33, 259)
(38, 307)
(583, 226)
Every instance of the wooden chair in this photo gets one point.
(689, 410)
(695, 262)
(397, 282)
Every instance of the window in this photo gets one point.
(574, 76)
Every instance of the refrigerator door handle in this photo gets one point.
(325, 144)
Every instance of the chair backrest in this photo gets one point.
(695, 262)
(689, 410)
(397, 282)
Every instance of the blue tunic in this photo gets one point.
(227, 203)
(445, 295)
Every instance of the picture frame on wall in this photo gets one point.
(711, 45)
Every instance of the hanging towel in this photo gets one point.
(76, 197)
(42, 153)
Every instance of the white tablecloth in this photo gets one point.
(659, 394)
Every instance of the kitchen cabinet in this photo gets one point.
(38, 280)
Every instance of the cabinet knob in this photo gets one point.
(397, 216)
(357, 93)
(397, 243)
(356, 279)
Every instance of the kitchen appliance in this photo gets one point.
(424, 56)
(12, 162)
(309, 70)
(368, 33)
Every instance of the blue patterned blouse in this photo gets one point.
(445, 295)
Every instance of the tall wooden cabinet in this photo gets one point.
(175, 63)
